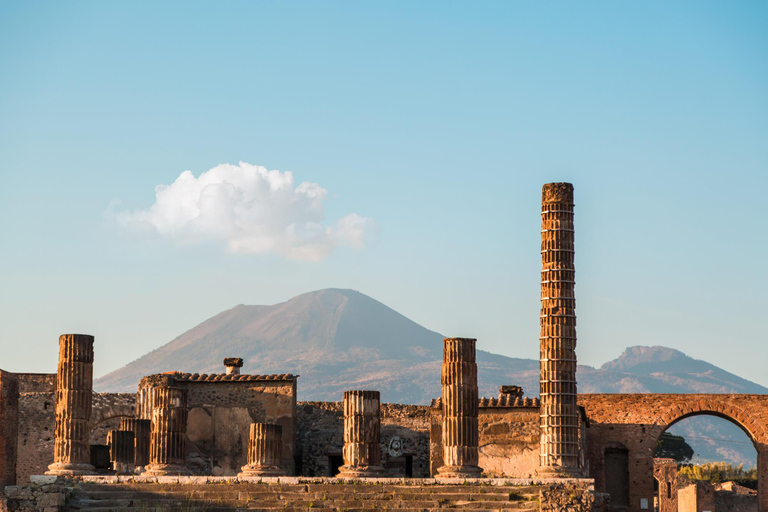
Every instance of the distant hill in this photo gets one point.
(342, 339)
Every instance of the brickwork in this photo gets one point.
(665, 473)
(460, 408)
(637, 420)
(9, 420)
(36, 382)
(559, 414)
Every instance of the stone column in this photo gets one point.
(74, 388)
(121, 451)
(362, 435)
(141, 430)
(265, 451)
(460, 403)
(559, 412)
(168, 433)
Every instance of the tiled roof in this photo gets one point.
(504, 401)
(223, 377)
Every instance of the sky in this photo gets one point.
(163, 162)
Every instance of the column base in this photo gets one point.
(260, 470)
(361, 472)
(459, 472)
(166, 470)
(70, 469)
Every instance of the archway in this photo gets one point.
(735, 426)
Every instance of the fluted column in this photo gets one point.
(74, 388)
(362, 435)
(141, 431)
(121, 451)
(460, 402)
(168, 430)
(265, 451)
(559, 411)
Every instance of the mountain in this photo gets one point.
(341, 339)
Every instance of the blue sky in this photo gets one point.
(437, 122)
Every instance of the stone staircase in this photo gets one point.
(289, 497)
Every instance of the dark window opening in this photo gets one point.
(669, 490)
(334, 463)
(409, 466)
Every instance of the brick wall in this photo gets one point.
(636, 421)
(9, 411)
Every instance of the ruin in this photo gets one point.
(362, 431)
(121, 451)
(460, 406)
(559, 412)
(578, 452)
(168, 432)
(265, 446)
(74, 388)
(141, 433)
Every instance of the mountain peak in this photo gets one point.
(639, 355)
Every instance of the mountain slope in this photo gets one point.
(341, 339)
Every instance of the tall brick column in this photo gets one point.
(121, 451)
(362, 435)
(265, 451)
(168, 433)
(74, 388)
(460, 402)
(559, 412)
(141, 430)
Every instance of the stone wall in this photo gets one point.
(36, 427)
(696, 497)
(9, 412)
(666, 474)
(50, 496)
(729, 501)
(508, 440)
(36, 382)
(221, 410)
(404, 437)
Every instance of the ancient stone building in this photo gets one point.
(222, 408)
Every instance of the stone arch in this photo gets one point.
(100, 415)
(719, 407)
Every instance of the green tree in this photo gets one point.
(671, 446)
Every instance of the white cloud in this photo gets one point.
(252, 210)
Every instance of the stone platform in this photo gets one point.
(273, 494)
